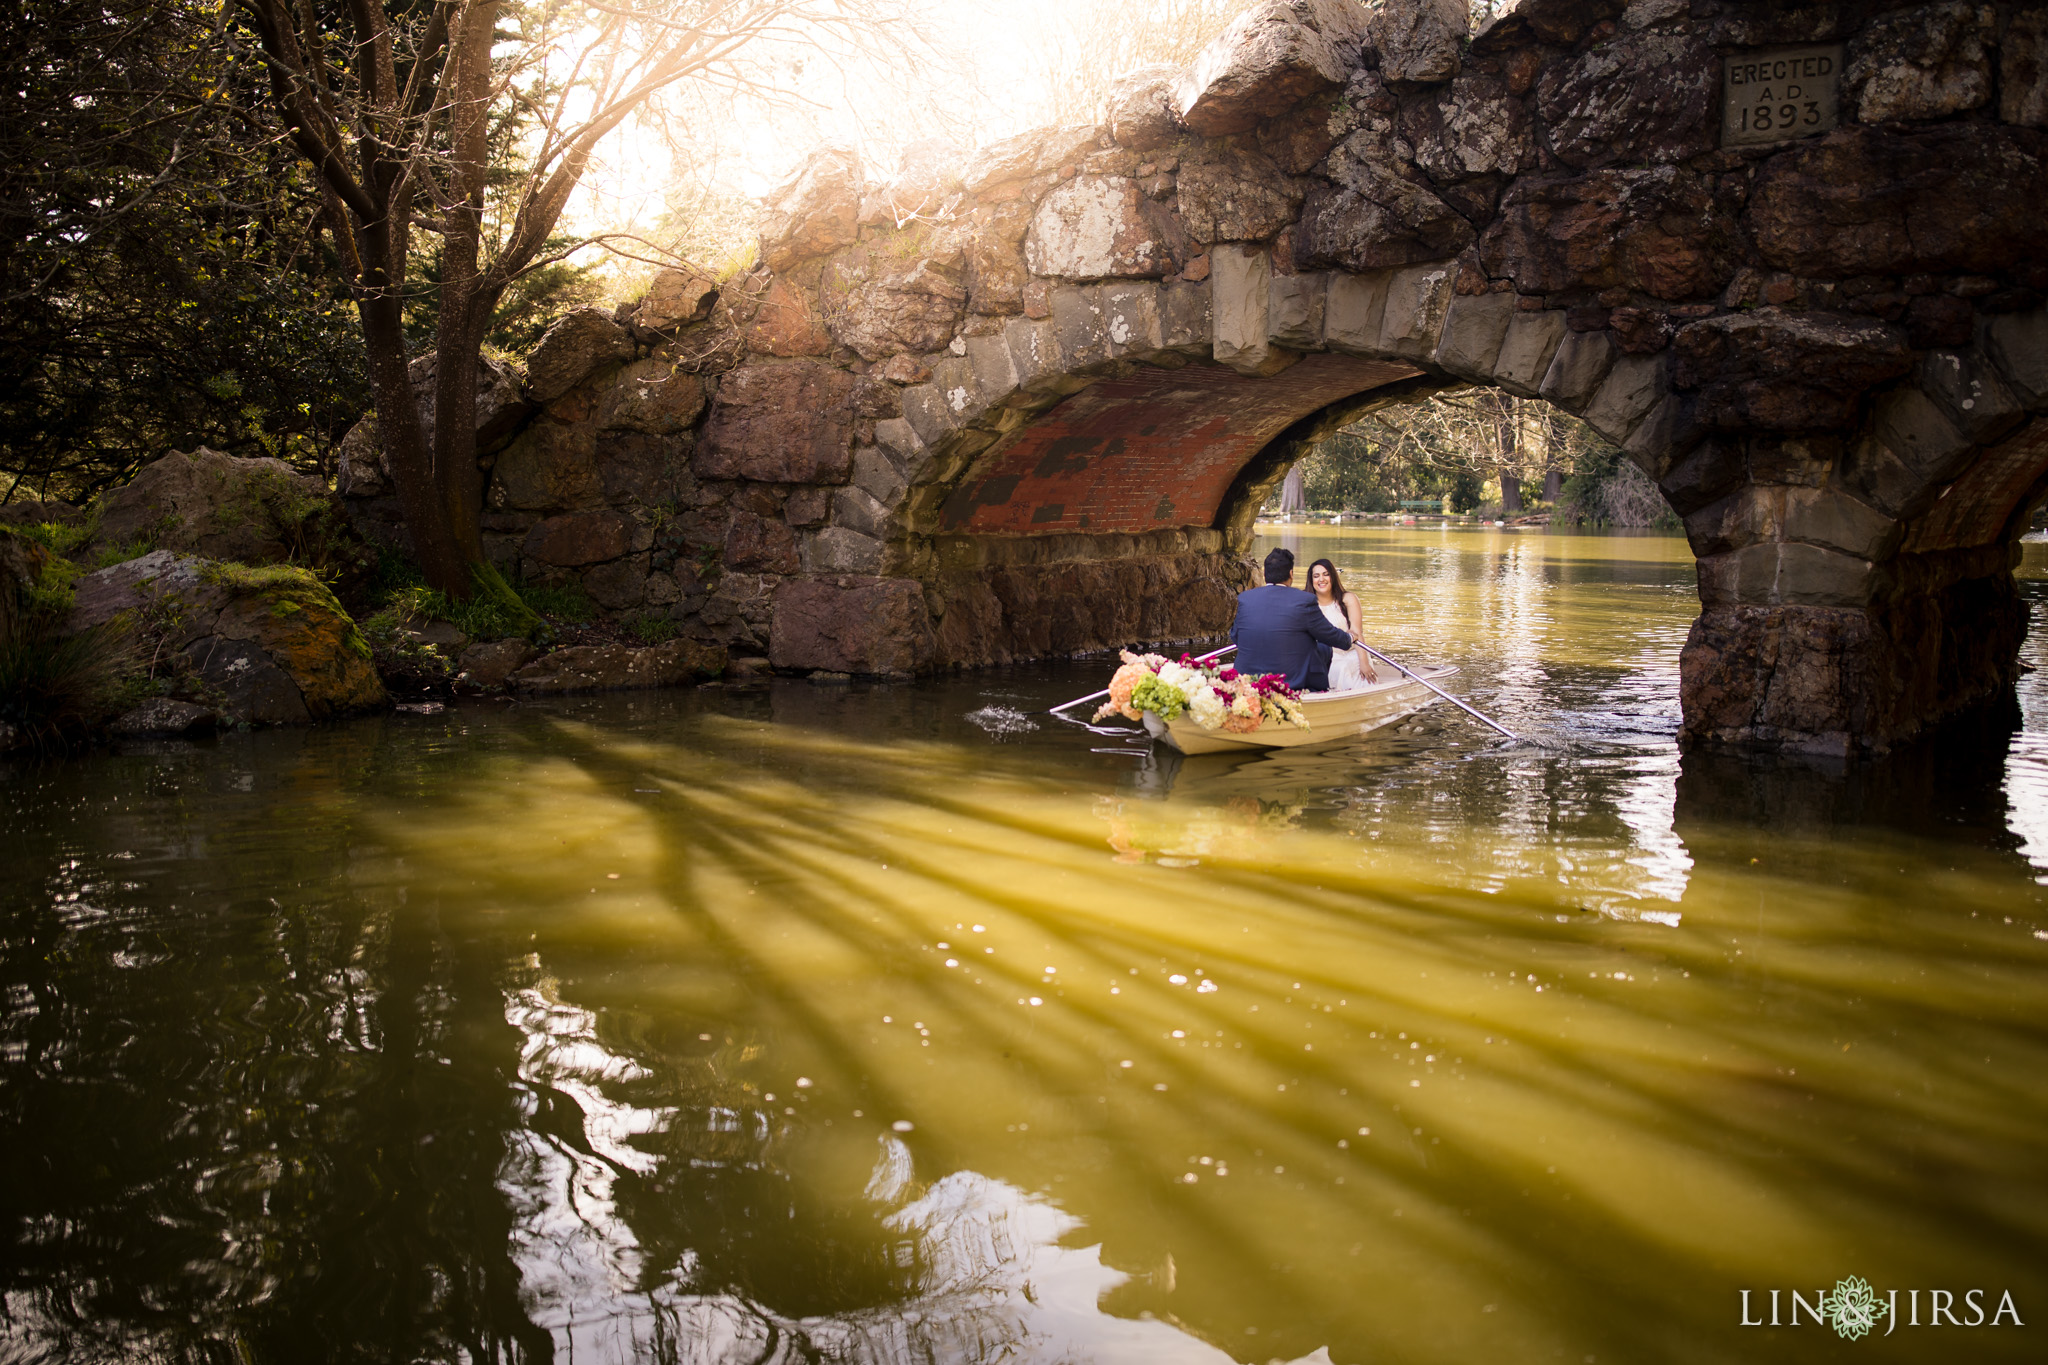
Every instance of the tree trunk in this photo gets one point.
(464, 310)
(405, 443)
(1510, 494)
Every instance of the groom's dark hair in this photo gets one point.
(1279, 565)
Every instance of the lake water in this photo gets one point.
(903, 1023)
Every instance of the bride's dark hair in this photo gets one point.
(1336, 583)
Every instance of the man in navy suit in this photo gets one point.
(1280, 629)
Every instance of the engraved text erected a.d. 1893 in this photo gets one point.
(1775, 94)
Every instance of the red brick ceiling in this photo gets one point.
(1158, 449)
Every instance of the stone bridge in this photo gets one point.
(1027, 402)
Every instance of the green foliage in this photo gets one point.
(54, 690)
(566, 602)
(536, 300)
(398, 588)
(652, 628)
(163, 287)
(55, 588)
(59, 538)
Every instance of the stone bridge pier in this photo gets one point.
(1026, 401)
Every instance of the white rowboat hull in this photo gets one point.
(1332, 716)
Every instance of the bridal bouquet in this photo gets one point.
(1218, 698)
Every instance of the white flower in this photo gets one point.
(1206, 707)
(1173, 675)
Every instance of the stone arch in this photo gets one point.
(892, 442)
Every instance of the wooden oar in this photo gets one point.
(1468, 710)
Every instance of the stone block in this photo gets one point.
(928, 413)
(1417, 299)
(1098, 227)
(579, 344)
(786, 323)
(1420, 41)
(1632, 387)
(1130, 313)
(901, 443)
(1915, 429)
(2023, 69)
(1294, 316)
(1775, 574)
(1035, 355)
(1878, 476)
(1270, 57)
(993, 371)
(1960, 196)
(901, 291)
(1234, 195)
(618, 586)
(579, 538)
(1655, 444)
(163, 717)
(490, 663)
(1374, 215)
(1240, 284)
(954, 377)
(875, 474)
(1581, 362)
(1142, 113)
(613, 668)
(548, 466)
(789, 422)
(840, 549)
(1970, 391)
(852, 624)
(756, 544)
(1833, 520)
(1080, 328)
(1354, 309)
(858, 510)
(1926, 62)
(1185, 323)
(1474, 328)
(676, 298)
(651, 396)
(1643, 97)
(815, 212)
(2018, 345)
(1747, 516)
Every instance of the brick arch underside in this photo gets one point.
(1121, 516)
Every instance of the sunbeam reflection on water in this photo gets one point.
(805, 1022)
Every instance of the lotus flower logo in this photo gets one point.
(1853, 1308)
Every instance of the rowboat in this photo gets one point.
(1332, 716)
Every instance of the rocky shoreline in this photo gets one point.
(214, 592)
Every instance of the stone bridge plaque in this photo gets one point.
(1776, 94)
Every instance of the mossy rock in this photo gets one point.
(236, 510)
(270, 639)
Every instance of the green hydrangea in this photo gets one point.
(1162, 699)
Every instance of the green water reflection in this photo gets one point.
(899, 1023)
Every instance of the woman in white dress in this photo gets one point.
(1352, 667)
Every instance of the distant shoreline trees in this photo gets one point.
(1480, 448)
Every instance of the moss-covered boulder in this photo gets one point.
(228, 508)
(267, 645)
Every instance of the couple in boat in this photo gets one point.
(1311, 636)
